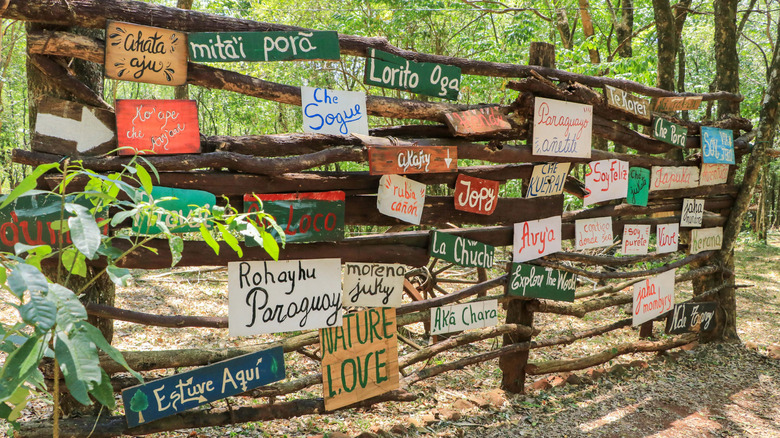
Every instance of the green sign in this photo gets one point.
(538, 282)
(263, 46)
(390, 71)
(465, 252)
(668, 132)
(304, 217)
(638, 186)
(185, 202)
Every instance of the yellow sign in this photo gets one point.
(146, 54)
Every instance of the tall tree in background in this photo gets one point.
(726, 56)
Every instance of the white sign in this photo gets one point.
(653, 297)
(548, 179)
(636, 239)
(401, 198)
(667, 178)
(667, 237)
(461, 317)
(373, 284)
(334, 111)
(713, 173)
(692, 212)
(706, 239)
(562, 129)
(593, 233)
(534, 239)
(605, 180)
(285, 296)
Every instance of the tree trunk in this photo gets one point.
(562, 23)
(587, 30)
(726, 56)
(667, 44)
(625, 29)
(182, 91)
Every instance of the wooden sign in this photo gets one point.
(476, 195)
(636, 239)
(399, 160)
(538, 282)
(691, 318)
(712, 174)
(401, 198)
(485, 120)
(562, 129)
(666, 104)
(593, 233)
(653, 297)
(263, 46)
(692, 212)
(534, 239)
(184, 202)
(334, 111)
(390, 71)
(667, 237)
(669, 178)
(157, 127)
(626, 101)
(548, 179)
(605, 180)
(638, 186)
(705, 239)
(170, 395)
(717, 145)
(304, 217)
(284, 296)
(459, 317)
(146, 54)
(69, 128)
(459, 250)
(669, 132)
(373, 284)
(359, 358)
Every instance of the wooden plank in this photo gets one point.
(669, 132)
(562, 129)
(638, 186)
(304, 217)
(548, 179)
(391, 71)
(459, 317)
(335, 112)
(182, 204)
(399, 160)
(705, 239)
(485, 120)
(653, 297)
(605, 180)
(263, 46)
(161, 127)
(476, 195)
(717, 145)
(373, 284)
(636, 239)
(625, 101)
(593, 233)
(691, 318)
(461, 251)
(665, 104)
(145, 54)
(675, 177)
(532, 281)
(69, 128)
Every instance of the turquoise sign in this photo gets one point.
(638, 186)
(717, 145)
(183, 203)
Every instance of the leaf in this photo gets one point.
(70, 311)
(96, 336)
(79, 363)
(39, 312)
(230, 239)
(139, 402)
(39, 250)
(209, 239)
(176, 245)
(26, 277)
(144, 178)
(19, 400)
(28, 183)
(84, 231)
(122, 215)
(270, 245)
(19, 365)
(74, 262)
(118, 276)
(103, 392)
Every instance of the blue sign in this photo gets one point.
(717, 145)
(171, 395)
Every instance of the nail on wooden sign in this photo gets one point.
(673, 177)
(304, 217)
(593, 233)
(691, 318)
(373, 284)
(459, 250)
(537, 238)
(263, 46)
(400, 160)
(705, 239)
(636, 239)
(625, 101)
(669, 132)
(562, 129)
(69, 128)
(476, 195)
(160, 127)
(390, 71)
(401, 198)
(605, 180)
(548, 179)
(653, 297)
(539, 282)
(459, 317)
(477, 121)
(665, 104)
(146, 54)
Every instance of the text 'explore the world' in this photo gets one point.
(533, 281)
(390, 71)
(263, 46)
(459, 317)
(401, 198)
(145, 54)
(562, 129)
(461, 251)
(157, 127)
(334, 112)
(537, 238)
(373, 284)
(303, 217)
(653, 297)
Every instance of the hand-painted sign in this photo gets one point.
(459, 317)
(562, 129)
(538, 282)
(284, 296)
(712, 174)
(534, 239)
(636, 239)
(717, 145)
(373, 284)
(665, 104)
(638, 186)
(390, 71)
(548, 179)
(626, 101)
(476, 195)
(477, 121)
(157, 127)
(706, 239)
(184, 202)
(669, 132)
(171, 395)
(593, 233)
(401, 198)
(398, 160)
(69, 128)
(691, 318)
(457, 249)
(692, 212)
(359, 358)
(334, 111)
(667, 237)
(668, 178)
(146, 54)
(605, 180)
(653, 297)
(263, 46)
(304, 217)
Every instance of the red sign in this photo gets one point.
(477, 121)
(398, 160)
(157, 127)
(476, 195)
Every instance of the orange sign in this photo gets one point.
(398, 160)
(157, 127)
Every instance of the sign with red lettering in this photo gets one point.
(593, 233)
(562, 129)
(713, 173)
(398, 160)
(605, 180)
(534, 239)
(157, 127)
(304, 217)
(665, 104)
(476, 195)
(667, 237)
(692, 212)
(401, 198)
(636, 239)
(146, 54)
(668, 178)
(653, 297)
(477, 121)
(548, 179)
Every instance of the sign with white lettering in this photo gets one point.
(562, 129)
(390, 71)
(548, 179)
(304, 217)
(691, 318)
(459, 317)
(636, 239)
(334, 111)
(653, 297)
(183, 202)
(665, 104)
(485, 120)
(626, 101)
(373, 284)
(145, 54)
(539, 282)
(457, 249)
(717, 145)
(705, 239)
(669, 132)
(667, 237)
(157, 127)
(263, 46)
(712, 174)
(605, 180)
(69, 128)
(593, 233)
(669, 178)
(638, 186)
(283, 296)
(534, 239)
(692, 212)
(397, 160)
(401, 198)
(476, 195)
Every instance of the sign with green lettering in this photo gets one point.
(304, 217)
(669, 132)
(263, 46)
(390, 71)
(539, 282)
(457, 249)
(638, 186)
(184, 202)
